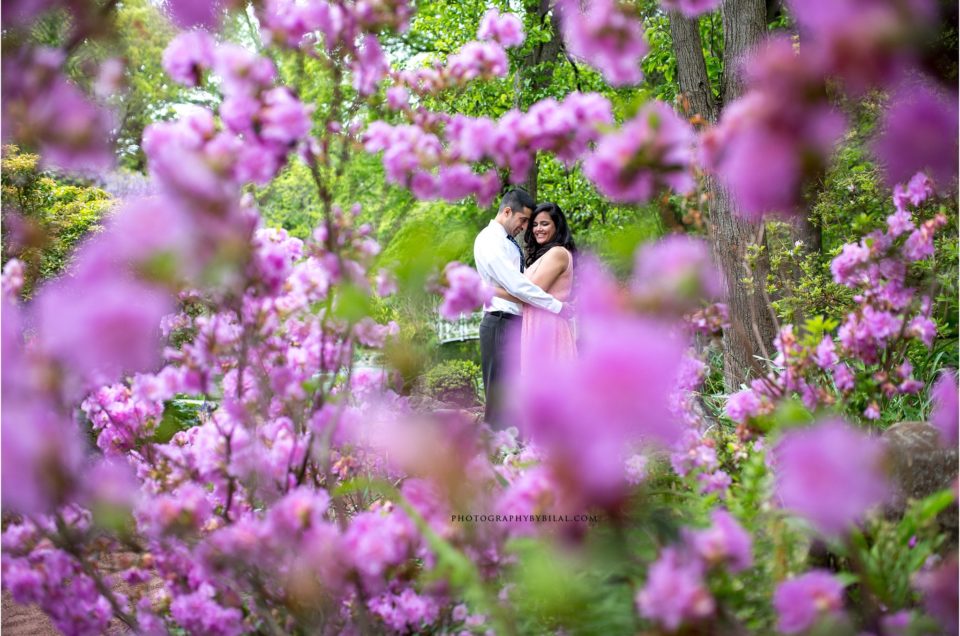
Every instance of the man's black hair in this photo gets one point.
(516, 200)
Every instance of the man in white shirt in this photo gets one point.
(499, 261)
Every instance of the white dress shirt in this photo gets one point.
(498, 262)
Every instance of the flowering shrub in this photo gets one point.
(310, 496)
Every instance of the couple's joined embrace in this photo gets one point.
(532, 289)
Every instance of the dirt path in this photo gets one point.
(24, 620)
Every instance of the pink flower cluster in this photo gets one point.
(782, 130)
(450, 144)
(465, 291)
(785, 115)
(809, 463)
(505, 28)
(676, 592)
(653, 150)
(608, 36)
(294, 23)
(11, 281)
(690, 8)
(45, 110)
(889, 310)
(675, 275)
(485, 58)
(261, 123)
(803, 600)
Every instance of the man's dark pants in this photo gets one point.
(494, 329)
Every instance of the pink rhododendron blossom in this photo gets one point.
(284, 118)
(919, 132)
(607, 36)
(398, 97)
(716, 482)
(675, 592)
(12, 279)
(675, 272)
(465, 292)
(939, 586)
(826, 354)
(94, 328)
(378, 539)
(946, 408)
(43, 453)
(406, 611)
(288, 21)
(803, 600)
(757, 146)
(477, 60)
(636, 469)
(188, 56)
(190, 13)
(371, 66)
(43, 109)
(626, 392)
(809, 463)
(690, 8)
(652, 151)
(743, 405)
(693, 451)
(200, 613)
(505, 28)
(724, 542)
(242, 70)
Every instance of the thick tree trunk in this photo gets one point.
(537, 68)
(752, 329)
(691, 67)
(744, 26)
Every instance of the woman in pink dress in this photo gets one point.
(549, 265)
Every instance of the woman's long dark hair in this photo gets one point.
(563, 237)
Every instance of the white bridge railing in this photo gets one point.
(466, 328)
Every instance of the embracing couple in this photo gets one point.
(532, 289)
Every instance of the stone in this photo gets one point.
(921, 465)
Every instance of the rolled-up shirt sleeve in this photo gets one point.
(508, 275)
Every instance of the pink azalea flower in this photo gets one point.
(724, 542)
(607, 37)
(370, 66)
(690, 8)
(675, 592)
(919, 132)
(946, 408)
(801, 601)
(187, 57)
(190, 13)
(505, 28)
(466, 291)
(653, 150)
(810, 462)
(940, 593)
(284, 118)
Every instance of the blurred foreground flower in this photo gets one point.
(465, 291)
(830, 474)
(801, 601)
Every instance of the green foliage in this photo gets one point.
(456, 381)
(52, 215)
(178, 415)
(891, 552)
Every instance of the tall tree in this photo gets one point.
(536, 69)
(752, 326)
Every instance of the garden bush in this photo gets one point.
(454, 381)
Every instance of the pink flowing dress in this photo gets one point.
(546, 336)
